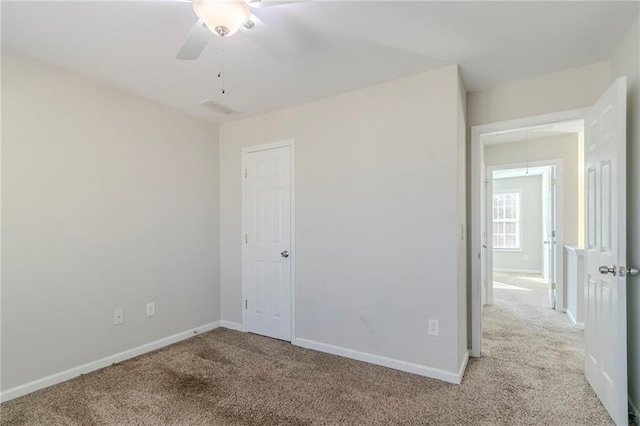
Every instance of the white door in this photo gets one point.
(267, 241)
(605, 181)
(549, 233)
(484, 270)
(487, 243)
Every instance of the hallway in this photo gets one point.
(535, 352)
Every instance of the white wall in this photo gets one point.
(560, 91)
(109, 201)
(376, 217)
(529, 257)
(625, 63)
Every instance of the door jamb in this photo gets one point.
(476, 187)
(292, 250)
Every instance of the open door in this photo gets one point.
(485, 267)
(487, 242)
(549, 233)
(605, 251)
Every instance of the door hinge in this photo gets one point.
(246, 239)
(246, 304)
(553, 182)
(245, 173)
(553, 234)
(553, 286)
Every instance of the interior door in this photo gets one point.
(605, 251)
(549, 225)
(488, 242)
(485, 268)
(267, 262)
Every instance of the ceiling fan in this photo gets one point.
(224, 18)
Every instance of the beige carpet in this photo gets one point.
(532, 374)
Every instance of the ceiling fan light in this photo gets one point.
(223, 17)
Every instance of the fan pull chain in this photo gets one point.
(221, 73)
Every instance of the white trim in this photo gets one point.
(101, 363)
(463, 366)
(518, 271)
(572, 319)
(291, 143)
(237, 326)
(396, 364)
(476, 191)
(577, 250)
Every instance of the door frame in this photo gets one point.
(477, 148)
(558, 207)
(291, 144)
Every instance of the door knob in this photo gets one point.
(633, 271)
(285, 253)
(546, 242)
(606, 270)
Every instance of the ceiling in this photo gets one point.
(341, 46)
(560, 128)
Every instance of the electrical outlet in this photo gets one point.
(118, 316)
(151, 309)
(434, 327)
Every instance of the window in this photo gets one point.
(506, 220)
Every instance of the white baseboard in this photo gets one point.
(101, 363)
(63, 376)
(463, 366)
(576, 324)
(518, 271)
(237, 326)
(409, 367)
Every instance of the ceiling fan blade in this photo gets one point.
(196, 41)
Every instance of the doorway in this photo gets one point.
(524, 229)
(525, 143)
(268, 251)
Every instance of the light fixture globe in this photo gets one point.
(223, 17)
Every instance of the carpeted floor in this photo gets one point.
(531, 374)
